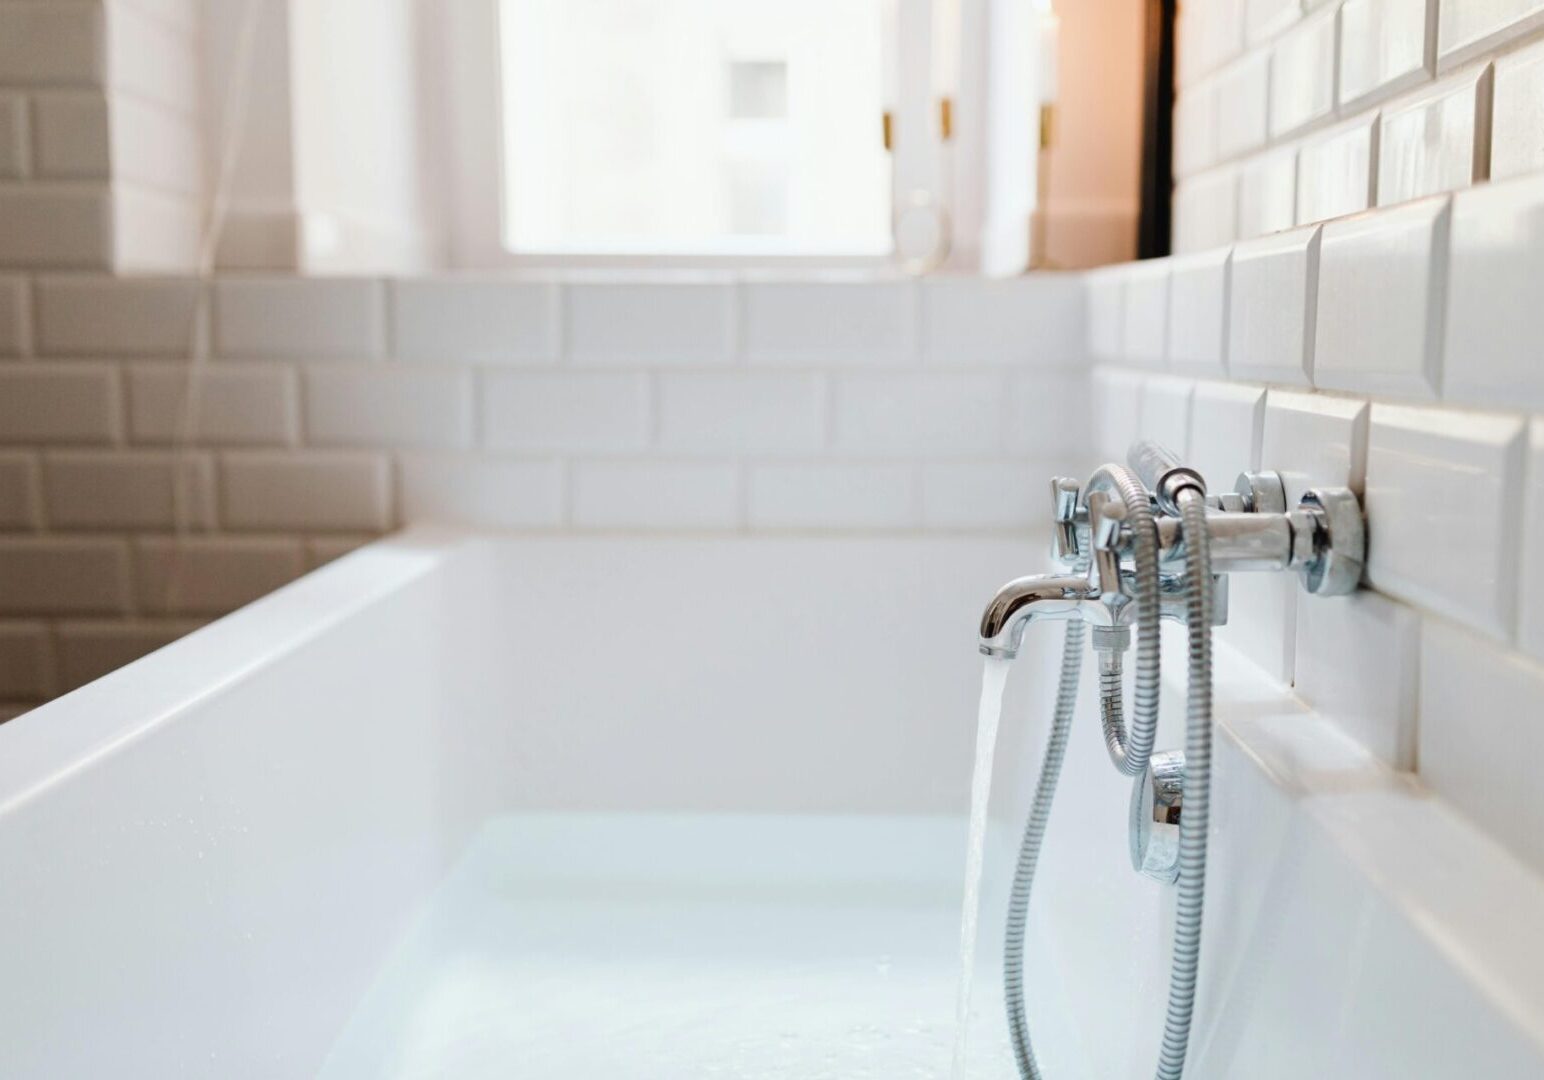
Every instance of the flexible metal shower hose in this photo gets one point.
(1195, 813)
(1131, 753)
(1029, 850)
(1194, 818)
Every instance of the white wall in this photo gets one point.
(99, 161)
(332, 165)
(336, 408)
(1394, 350)
(357, 88)
(259, 229)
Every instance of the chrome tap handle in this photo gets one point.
(1106, 521)
(1064, 513)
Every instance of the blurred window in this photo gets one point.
(721, 127)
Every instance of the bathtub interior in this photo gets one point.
(269, 824)
(693, 806)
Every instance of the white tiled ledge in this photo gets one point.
(680, 319)
(1460, 871)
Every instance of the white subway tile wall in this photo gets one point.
(684, 324)
(1494, 321)
(394, 405)
(53, 44)
(70, 138)
(56, 224)
(26, 661)
(452, 320)
(269, 491)
(1225, 424)
(1385, 333)
(983, 495)
(90, 648)
(1445, 485)
(14, 316)
(1383, 47)
(20, 492)
(1337, 171)
(1195, 128)
(247, 404)
(1242, 95)
(1376, 101)
(1303, 73)
(655, 495)
(1267, 192)
(1466, 28)
(1478, 735)
(1438, 140)
(1022, 323)
(812, 495)
(742, 412)
(902, 415)
(140, 494)
(99, 136)
(858, 323)
(555, 412)
(510, 493)
(1106, 310)
(1378, 328)
(1271, 297)
(1530, 622)
(1517, 115)
(15, 139)
(208, 575)
(65, 402)
(1147, 312)
(137, 489)
(1198, 312)
(1117, 409)
(1165, 416)
(300, 319)
(104, 316)
(1357, 661)
(142, 486)
(1206, 210)
(1433, 301)
(1263, 18)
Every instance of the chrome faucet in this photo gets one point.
(1250, 529)
(1131, 547)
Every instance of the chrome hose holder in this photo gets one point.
(1157, 800)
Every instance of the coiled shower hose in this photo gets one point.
(1131, 753)
(1194, 818)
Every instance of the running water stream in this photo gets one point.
(994, 677)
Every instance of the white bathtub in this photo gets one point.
(649, 807)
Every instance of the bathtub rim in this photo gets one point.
(60, 738)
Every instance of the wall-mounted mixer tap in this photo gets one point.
(1322, 539)
(1131, 547)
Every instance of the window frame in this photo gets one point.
(469, 109)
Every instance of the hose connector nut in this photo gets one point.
(1176, 480)
(1114, 639)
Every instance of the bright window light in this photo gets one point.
(718, 127)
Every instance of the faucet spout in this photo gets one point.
(1025, 599)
